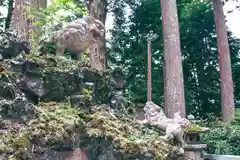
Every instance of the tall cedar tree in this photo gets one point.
(173, 80)
(227, 97)
(20, 18)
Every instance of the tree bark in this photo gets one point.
(21, 21)
(173, 80)
(98, 9)
(227, 96)
(9, 14)
(42, 4)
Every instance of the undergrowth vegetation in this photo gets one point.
(223, 138)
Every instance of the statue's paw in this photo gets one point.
(138, 121)
(141, 122)
(184, 144)
(164, 138)
(62, 57)
(112, 115)
(181, 151)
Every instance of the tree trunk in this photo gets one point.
(42, 3)
(98, 9)
(21, 21)
(173, 80)
(37, 5)
(9, 14)
(227, 97)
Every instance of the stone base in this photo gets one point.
(194, 147)
(194, 151)
(194, 155)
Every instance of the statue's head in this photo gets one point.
(98, 28)
(95, 27)
(151, 107)
(183, 121)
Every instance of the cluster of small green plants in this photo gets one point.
(223, 138)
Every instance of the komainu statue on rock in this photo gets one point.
(77, 35)
(173, 128)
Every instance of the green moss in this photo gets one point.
(194, 127)
(53, 126)
(5, 149)
(65, 77)
(55, 123)
(13, 158)
(58, 123)
(52, 62)
(14, 144)
(20, 141)
(127, 137)
(87, 93)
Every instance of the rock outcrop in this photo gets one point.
(11, 44)
(57, 109)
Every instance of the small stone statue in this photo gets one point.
(174, 128)
(77, 35)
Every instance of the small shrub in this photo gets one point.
(223, 138)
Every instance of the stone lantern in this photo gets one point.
(194, 147)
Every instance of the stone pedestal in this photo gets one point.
(194, 151)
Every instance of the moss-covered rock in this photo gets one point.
(50, 78)
(11, 44)
(70, 114)
(59, 125)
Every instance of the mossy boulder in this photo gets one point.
(50, 105)
(49, 78)
(60, 126)
(11, 44)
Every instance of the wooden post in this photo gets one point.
(149, 78)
